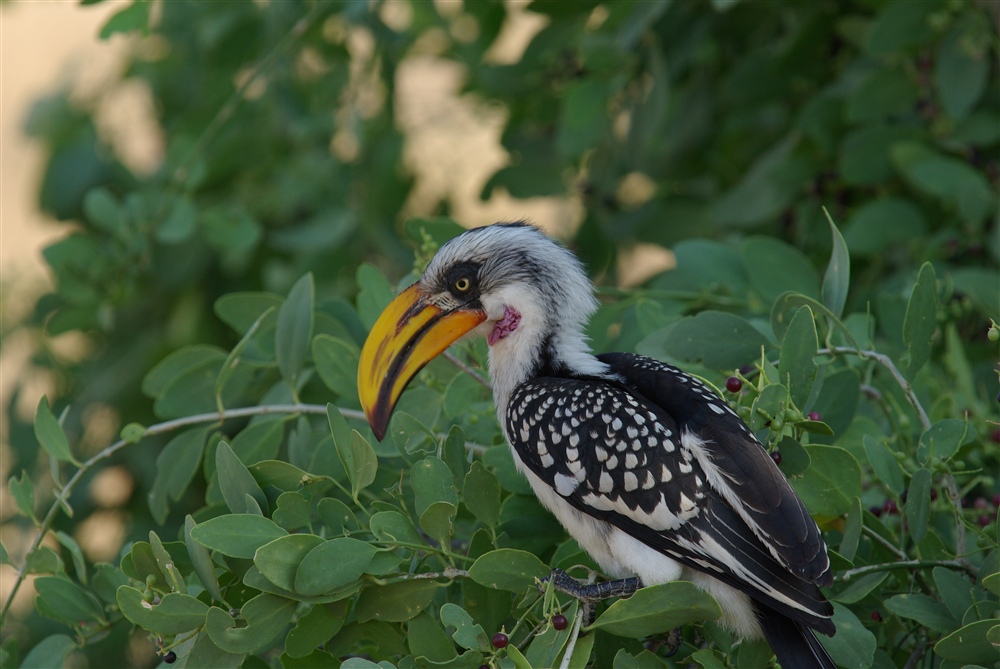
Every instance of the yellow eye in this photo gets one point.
(463, 284)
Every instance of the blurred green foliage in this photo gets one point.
(720, 129)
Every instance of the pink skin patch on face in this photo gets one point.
(511, 319)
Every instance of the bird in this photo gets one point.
(654, 475)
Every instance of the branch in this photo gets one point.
(886, 362)
(960, 565)
(455, 360)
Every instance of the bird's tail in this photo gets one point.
(794, 644)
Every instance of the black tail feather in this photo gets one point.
(794, 644)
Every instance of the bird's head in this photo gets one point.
(525, 293)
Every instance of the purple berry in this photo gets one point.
(734, 385)
(560, 622)
(876, 616)
(776, 456)
(815, 415)
(500, 640)
(170, 657)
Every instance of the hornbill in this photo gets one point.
(652, 473)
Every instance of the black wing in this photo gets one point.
(618, 454)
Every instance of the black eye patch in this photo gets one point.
(462, 280)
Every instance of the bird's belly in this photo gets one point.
(618, 554)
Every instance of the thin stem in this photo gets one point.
(908, 564)
(228, 107)
(882, 541)
(455, 360)
(886, 362)
(574, 635)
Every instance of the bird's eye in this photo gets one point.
(462, 284)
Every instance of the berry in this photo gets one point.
(559, 622)
(984, 520)
(995, 436)
(170, 657)
(996, 499)
(890, 507)
(500, 640)
(934, 494)
(980, 503)
(734, 385)
(876, 511)
(815, 415)
(993, 334)
(776, 456)
(876, 616)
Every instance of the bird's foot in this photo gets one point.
(589, 594)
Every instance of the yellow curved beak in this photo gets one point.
(410, 333)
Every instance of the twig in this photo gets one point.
(908, 564)
(882, 541)
(455, 360)
(573, 636)
(225, 112)
(886, 362)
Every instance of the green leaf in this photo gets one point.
(766, 188)
(79, 563)
(201, 560)
(50, 434)
(885, 464)
(957, 591)
(467, 633)
(50, 652)
(705, 658)
(393, 527)
(944, 438)
(332, 564)
(179, 224)
(950, 180)
(232, 365)
(437, 520)
(133, 18)
(547, 646)
(336, 515)
(918, 504)
(314, 629)
(294, 329)
(852, 531)
(882, 224)
(961, 69)
(293, 512)
(921, 320)
(861, 588)
(481, 494)
(432, 482)
(374, 295)
(265, 617)
(206, 655)
(645, 659)
(797, 367)
(853, 645)
(831, 483)
(104, 211)
(397, 602)
(237, 535)
(837, 279)
(970, 644)
(23, 492)
(337, 364)
(236, 481)
(717, 339)
(4, 555)
(61, 599)
(241, 310)
(428, 640)
(279, 560)
(508, 569)
(657, 609)
(43, 560)
(176, 612)
(281, 475)
(356, 454)
(775, 267)
(176, 466)
(261, 440)
(885, 93)
(925, 610)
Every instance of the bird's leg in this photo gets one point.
(589, 594)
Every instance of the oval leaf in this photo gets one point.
(237, 535)
(656, 609)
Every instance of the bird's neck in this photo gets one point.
(528, 354)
